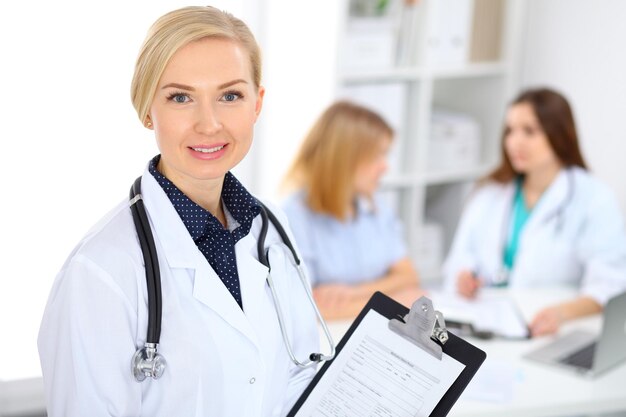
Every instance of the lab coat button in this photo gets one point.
(252, 380)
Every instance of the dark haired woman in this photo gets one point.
(540, 219)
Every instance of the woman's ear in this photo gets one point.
(259, 101)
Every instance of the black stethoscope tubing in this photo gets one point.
(262, 253)
(146, 241)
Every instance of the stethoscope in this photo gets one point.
(146, 361)
(502, 276)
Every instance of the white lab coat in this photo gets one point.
(573, 238)
(222, 361)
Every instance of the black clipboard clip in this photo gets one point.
(423, 326)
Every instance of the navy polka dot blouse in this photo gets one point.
(216, 243)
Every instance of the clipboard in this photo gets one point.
(420, 329)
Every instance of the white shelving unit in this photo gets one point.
(479, 89)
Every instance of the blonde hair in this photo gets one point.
(175, 30)
(344, 136)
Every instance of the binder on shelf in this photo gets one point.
(371, 36)
(486, 39)
(449, 33)
(370, 49)
(393, 360)
(407, 45)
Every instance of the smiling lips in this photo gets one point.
(205, 152)
(209, 150)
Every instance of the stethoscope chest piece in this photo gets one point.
(147, 362)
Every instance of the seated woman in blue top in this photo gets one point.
(540, 219)
(350, 240)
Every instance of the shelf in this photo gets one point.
(471, 70)
(432, 178)
(382, 75)
(399, 181)
(464, 174)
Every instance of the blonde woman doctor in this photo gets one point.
(197, 86)
(541, 219)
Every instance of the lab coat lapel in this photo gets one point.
(252, 274)
(209, 289)
(180, 251)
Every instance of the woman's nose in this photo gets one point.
(207, 119)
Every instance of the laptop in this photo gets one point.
(585, 352)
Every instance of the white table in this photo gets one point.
(22, 397)
(538, 390)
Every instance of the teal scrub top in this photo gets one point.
(519, 217)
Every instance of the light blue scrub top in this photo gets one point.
(519, 217)
(357, 250)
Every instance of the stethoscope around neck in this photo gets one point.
(558, 214)
(147, 361)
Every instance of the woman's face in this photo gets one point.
(204, 110)
(525, 142)
(370, 171)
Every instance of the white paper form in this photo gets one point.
(490, 312)
(379, 373)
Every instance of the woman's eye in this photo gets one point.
(179, 98)
(529, 131)
(231, 96)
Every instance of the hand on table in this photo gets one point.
(408, 296)
(332, 299)
(547, 321)
(341, 301)
(467, 284)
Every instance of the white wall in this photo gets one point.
(579, 47)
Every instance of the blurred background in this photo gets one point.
(440, 71)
